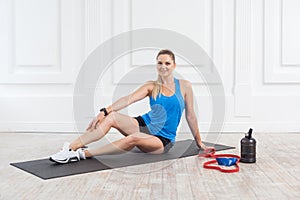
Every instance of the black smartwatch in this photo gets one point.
(104, 110)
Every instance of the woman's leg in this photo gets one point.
(145, 142)
(125, 124)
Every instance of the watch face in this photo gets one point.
(104, 110)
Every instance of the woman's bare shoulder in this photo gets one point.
(149, 84)
(185, 86)
(185, 83)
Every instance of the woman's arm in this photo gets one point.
(190, 114)
(137, 95)
(123, 102)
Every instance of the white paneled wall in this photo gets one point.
(40, 53)
(254, 45)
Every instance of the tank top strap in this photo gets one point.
(177, 86)
(178, 93)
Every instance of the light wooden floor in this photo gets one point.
(276, 175)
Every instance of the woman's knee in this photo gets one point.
(132, 139)
(111, 119)
(123, 123)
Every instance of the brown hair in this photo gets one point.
(158, 83)
(168, 52)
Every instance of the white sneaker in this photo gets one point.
(81, 153)
(66, 155)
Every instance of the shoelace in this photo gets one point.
(228, 160)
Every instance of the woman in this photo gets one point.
(153, 132)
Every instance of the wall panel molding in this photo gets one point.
(36, 45)
(129, 14)
(40, 53)
(290, 42)
(45, 49)
(277, 68)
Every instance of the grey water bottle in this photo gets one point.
(248, 148)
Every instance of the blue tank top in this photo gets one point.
(165, 114)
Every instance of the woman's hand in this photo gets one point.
(95, 122)
(201, 145)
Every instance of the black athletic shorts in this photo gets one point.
(144, 129)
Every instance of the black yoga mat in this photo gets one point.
(46, 169)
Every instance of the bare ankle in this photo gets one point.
(75, 145)
(87, 154)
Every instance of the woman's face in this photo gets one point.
(165, 65)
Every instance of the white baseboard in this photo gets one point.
(37, 127)
(69, 127)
